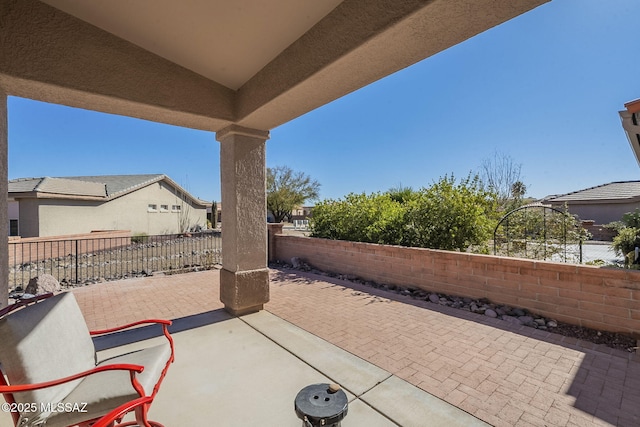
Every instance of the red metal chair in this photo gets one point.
(50, 375)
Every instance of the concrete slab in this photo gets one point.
(354, 374)
(361, 414)
(228, 374)
(409, 406)
(232, 372)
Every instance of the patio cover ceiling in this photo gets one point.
(206, 64)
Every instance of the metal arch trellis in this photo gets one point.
(545, 210)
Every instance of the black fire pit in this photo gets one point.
(321, 405)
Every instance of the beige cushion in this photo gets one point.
(50, 340)
(43, 342)
(105, 391)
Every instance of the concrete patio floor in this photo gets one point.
(402, 361)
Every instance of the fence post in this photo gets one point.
(76, 280)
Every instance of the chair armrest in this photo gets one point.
(28, 387)
(24, 302)
(131, 325)
(165, 330)
(121, 411)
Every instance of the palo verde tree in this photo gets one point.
(287, 189)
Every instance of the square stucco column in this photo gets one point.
(4, 188)
(244, 278)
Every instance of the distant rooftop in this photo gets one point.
(613, 191)
(101, 186)
(631, 124)
(116, 184)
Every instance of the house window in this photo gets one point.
(152, 208)
(164, 208)
(13, 227)
(176, 208)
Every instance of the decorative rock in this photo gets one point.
(519, 312)
(296, 262)
(552, 324)
(489, 312)
(434, 298)
(42, 284)
(511, 319)
(540, 321)
(525, 320)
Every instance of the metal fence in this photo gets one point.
(81, 261)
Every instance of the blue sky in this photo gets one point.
(544, 88)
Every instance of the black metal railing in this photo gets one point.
(83, 261)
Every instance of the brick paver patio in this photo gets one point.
(504, 375)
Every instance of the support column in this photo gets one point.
(244, 278)
(4, 215)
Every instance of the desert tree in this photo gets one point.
(287, 189)
(500, 174)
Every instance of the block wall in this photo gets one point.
(601, 298)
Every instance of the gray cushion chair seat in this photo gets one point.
(48, 341)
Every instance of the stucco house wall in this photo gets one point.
(130, 212)
(29, 218)
(600, 213)
(602, 204)
(149, 204)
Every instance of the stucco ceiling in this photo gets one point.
(207, 64)
(225, 41)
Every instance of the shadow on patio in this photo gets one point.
(246, 371)
(505, 375)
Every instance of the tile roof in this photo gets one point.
(57, 186)
(116, 184)
(619, 191)
(103, 186)
(106, 187)
(23, 185)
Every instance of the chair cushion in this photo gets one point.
(105, 391)
(43, 342)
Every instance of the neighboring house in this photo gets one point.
(151, 204)
(301, 213)
(297, 213)
(217, 218)
(602, 204)
(631, 125)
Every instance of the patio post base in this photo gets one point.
(244, 292)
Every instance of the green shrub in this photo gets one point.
(626, 240)
(632, 219)
(450, 215)
(447, 215)
(360, 218)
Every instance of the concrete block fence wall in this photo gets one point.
(600, 298)
(34, 249)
